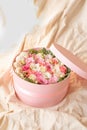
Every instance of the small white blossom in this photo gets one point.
(47, 75)
(18, 70)
(24, 54)
(33, 77)
(43, 69)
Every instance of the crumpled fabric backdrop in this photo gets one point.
(65, 23)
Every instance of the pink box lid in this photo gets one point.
(70, 60)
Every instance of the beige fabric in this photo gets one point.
(65, 23)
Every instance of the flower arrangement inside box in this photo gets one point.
(40, 78)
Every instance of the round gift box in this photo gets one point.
(39, 95)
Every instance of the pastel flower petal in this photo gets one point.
(63, 69)
(29, 60)
(25, 67)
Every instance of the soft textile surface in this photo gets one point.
(63, 22)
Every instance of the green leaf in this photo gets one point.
(29, 80)
(68, 70)
(33, 51)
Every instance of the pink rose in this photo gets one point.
(54, 61)
(49, 67)
(63, 69)
(39, 60)
(25, 67)
(30, 71)
(37, 73)
(53, 79)
(29, 60)
(41, 80)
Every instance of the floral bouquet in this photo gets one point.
(40, 66)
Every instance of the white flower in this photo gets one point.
(35, 67)
(18, 58)
(62, 74)
(18, 70)
(24, 54)
(43, 69)
(22, 61)
(56, 68)
(48, 56)
(47, 75)
(40, 55)
(32, 76)
(17, 64)
(32, 65)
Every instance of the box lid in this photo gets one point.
(70, 60)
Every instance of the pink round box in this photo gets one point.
(49, 95)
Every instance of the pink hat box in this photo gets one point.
(43, 96)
